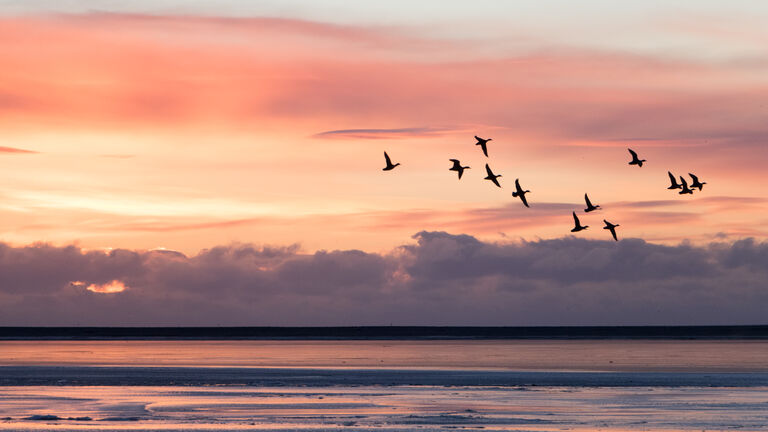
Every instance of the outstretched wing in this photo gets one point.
(612, 229)
(586, 198)
(525, 201)
(456, 164)
(695, 179)
(389, 161)
(672, 178)
(461, 171)
(685, 183)
(632, 152)
(488, 170)
(576, 219)
(478, 139)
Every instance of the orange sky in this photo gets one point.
(186, 132)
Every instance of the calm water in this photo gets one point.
(541, 355)
(384, 385)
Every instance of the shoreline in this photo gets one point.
(724, 332)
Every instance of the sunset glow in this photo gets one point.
(194, 127)
(111, 287)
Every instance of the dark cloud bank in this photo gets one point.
(442, 279)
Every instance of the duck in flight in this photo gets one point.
(457, 167)
(491, 176)
(685, 187)
(612, 228)
(673, 180)
(635, 160)
(590, 207)
(389, 166)
(577, 225)
(696, 183)
(519, 192)
(483, 144)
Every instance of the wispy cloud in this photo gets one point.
(16, 150)
(383, 133)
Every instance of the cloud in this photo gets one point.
(383, 133)
(15, 150)
(238, 69)
(110, 287)
(439, 279)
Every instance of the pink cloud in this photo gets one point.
(15, 150)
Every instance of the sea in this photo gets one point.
(385, 379)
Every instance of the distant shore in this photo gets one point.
(757, 332)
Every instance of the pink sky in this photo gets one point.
(160, 159)
(186, 132)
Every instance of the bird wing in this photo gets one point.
(456, 163)
(485, 149)
(672, 178)
(685, 183)
(496, 182)
(695, 179)
(478, 138)
(461, 171)
(612, 229)
(576, 219)
(488, 170)
(525, 201)
(586, 198)
(386, 156)
(517, 186)
(632, 152)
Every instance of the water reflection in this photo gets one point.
(600, 355)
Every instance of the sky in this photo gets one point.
(160, 152)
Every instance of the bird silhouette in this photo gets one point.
(389, 166)
(482, 143)
(519, 192)
(491, 176)
(457, 167)
(635, 160)
(696, 183)
(673, 180)
(577, 225)
(685, 187)
(590, 207)
(612, 228)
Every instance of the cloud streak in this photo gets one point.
(15, 150)
(382, 133)
(439, 279)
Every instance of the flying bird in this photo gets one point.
(577, 225)
(491, 176)
(457, 167)
(482, 143)
(590, 207)
(389, 166)
(635, 160)
(685, 187)
(673, 180)
(696, 183)
(519, 192)
(612, 228)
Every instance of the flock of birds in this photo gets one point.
(519, 192)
